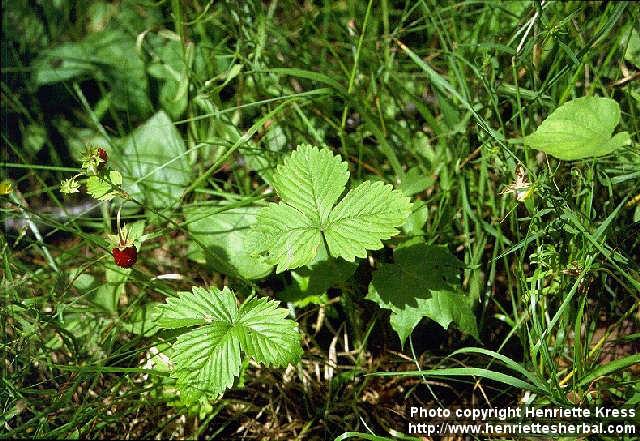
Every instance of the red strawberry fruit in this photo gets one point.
(102, 153)
(125, 257)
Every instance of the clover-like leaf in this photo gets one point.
(580, 128)
(309, 183)
(423, 282)
(207, 359)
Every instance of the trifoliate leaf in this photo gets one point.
(100, 188)
(580, 128)
(423, 282)
(310, 182)
(207, 359)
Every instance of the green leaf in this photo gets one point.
(465, 372)
(109, 56)
(33, 138)
(580, 128)
(224, 234)
(208, 358)
(310, 182)
(116, 177)
(417, 219)
(171, 68)
(370, 212)
(310, 283)
(70, 186)
(108, 294)
(287, 236)
(100, 188)
(423, 282)
(143, 321)
(415, 182)
(157, 170)
(266, 334)
(61, 63)
(632, 54)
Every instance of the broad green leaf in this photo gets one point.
(417, 219)
(143, 321)
(116, 177)
(261, 157)
(310, 182)
(198, 307)
(157, 170)
(109, 56)
(207, 359)
(108, 294)
(444, 307)
(62, 63)
(33, 138)
(580, 128)
(171, 68)
(423, 282)
(225, 237)
(632, 54)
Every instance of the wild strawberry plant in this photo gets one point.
(207, 358)
(311, 214)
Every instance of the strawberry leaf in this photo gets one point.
(423, 282)
(100, 188)
(291, 233)
(207, 358)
